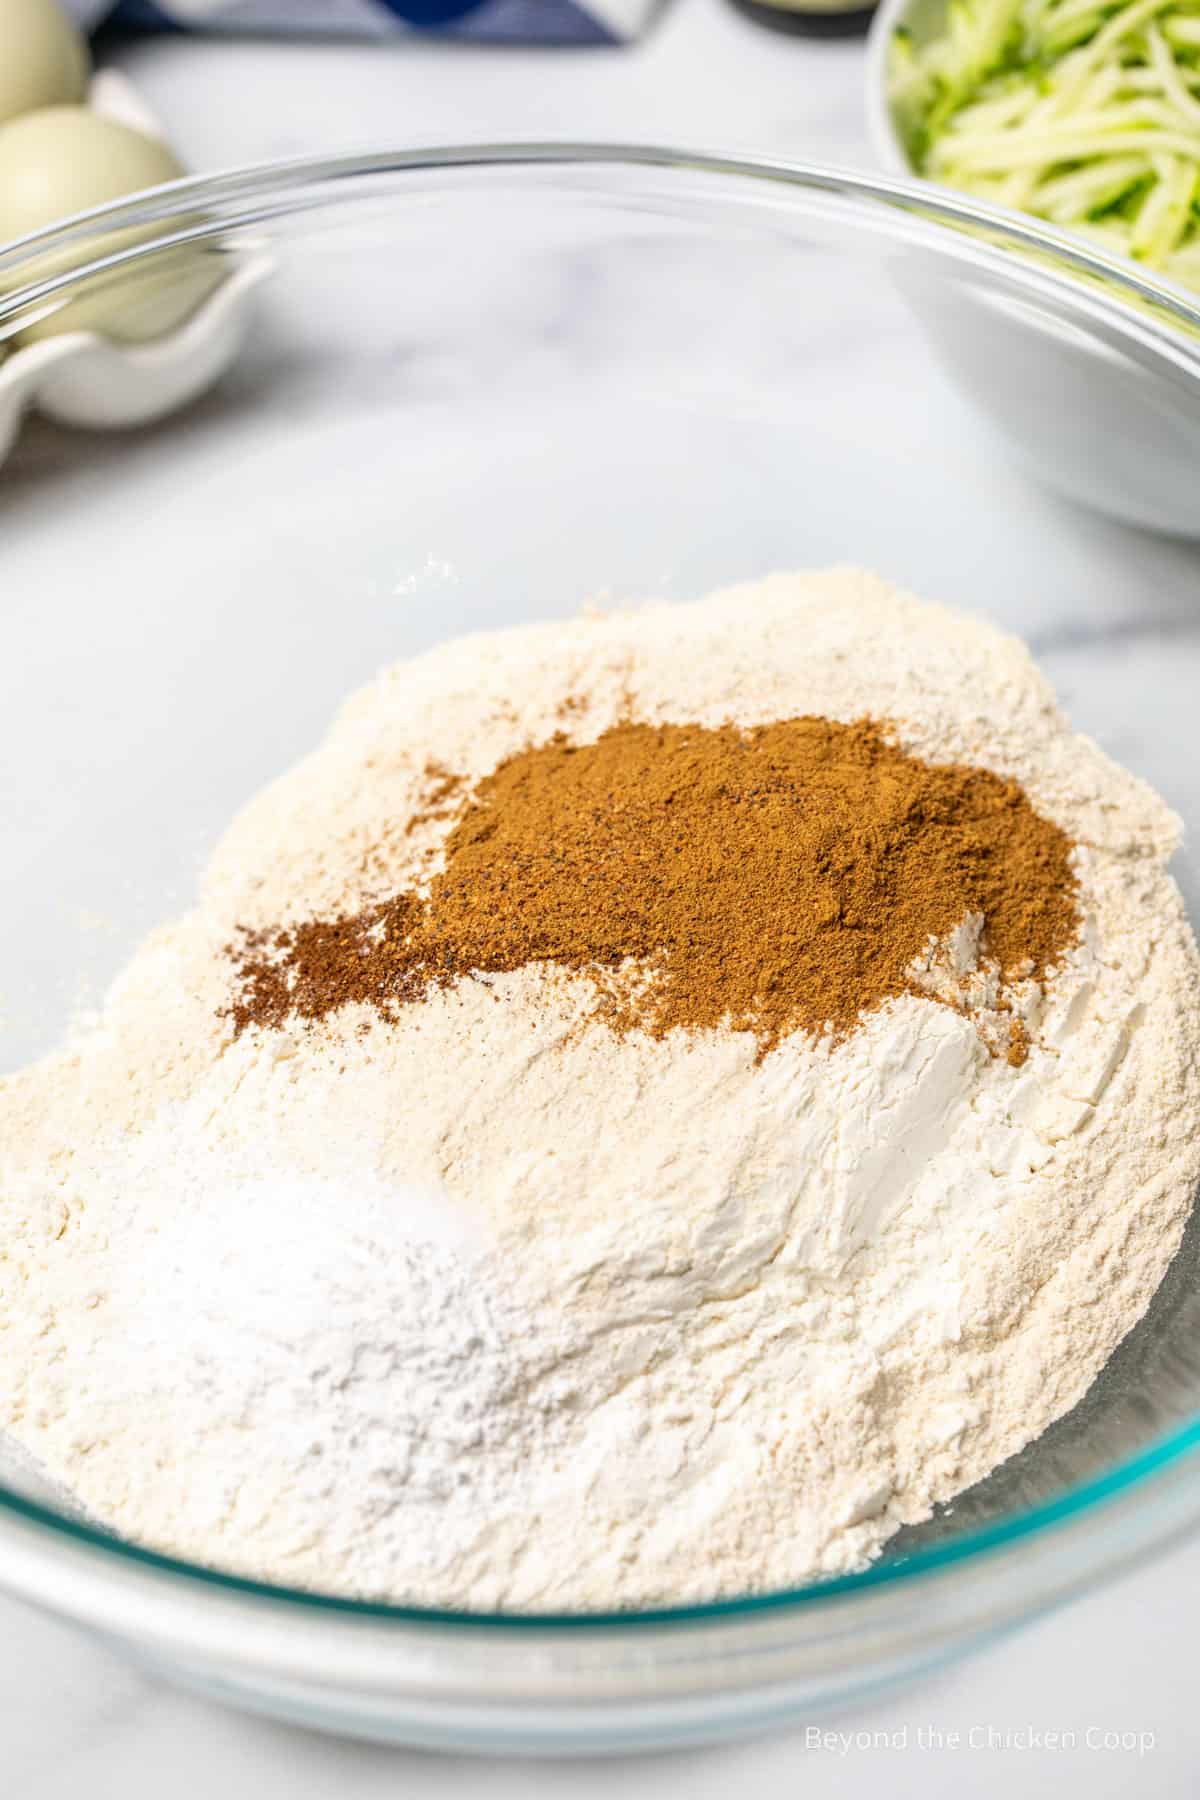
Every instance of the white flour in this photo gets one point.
(487, 1305)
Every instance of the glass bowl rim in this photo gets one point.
(246, 197)
(198, 209)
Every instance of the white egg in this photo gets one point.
(63, 160)
(43, 61)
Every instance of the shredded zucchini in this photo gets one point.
(1083, 112)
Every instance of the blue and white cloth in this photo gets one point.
(484, 21)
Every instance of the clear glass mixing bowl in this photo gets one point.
(485, 386)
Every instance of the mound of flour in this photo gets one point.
(486, 1305)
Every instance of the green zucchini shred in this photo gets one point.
(1085, 113)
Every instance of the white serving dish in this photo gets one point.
(1124, 442)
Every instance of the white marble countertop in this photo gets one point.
(77, 1719)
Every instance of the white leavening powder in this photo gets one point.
(486, 1305)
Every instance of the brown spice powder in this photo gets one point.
(774, 880)
(439, 802)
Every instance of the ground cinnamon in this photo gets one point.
(773, 880)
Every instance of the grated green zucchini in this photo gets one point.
(1084, 113)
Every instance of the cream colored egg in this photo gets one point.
(43, 61)
(64, 160)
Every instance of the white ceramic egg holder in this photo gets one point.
(84, 379)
